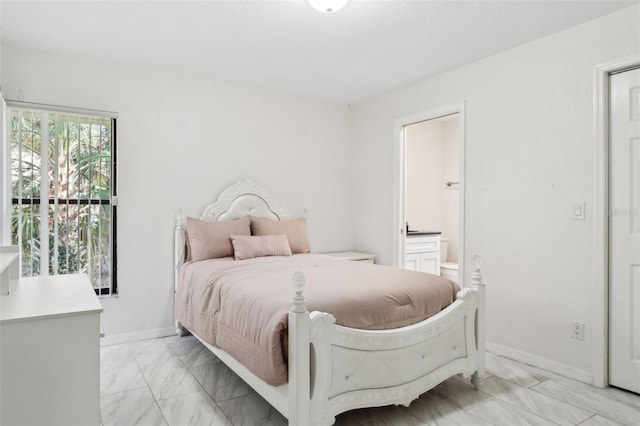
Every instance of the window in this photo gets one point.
(63, 182)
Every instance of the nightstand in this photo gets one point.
(354, 256)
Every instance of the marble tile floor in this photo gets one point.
(176, 381)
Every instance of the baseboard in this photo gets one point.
(555, 367)
(115, 339)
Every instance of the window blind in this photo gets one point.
(63, 192)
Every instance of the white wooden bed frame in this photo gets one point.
(333, 369)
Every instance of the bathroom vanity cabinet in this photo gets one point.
(423, 252)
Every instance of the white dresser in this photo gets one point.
(9, 267)
(50, 352)
(423, 253)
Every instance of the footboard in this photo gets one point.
(361, 368)
(350, 368)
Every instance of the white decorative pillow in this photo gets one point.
(210, 240)
(295, 230)
(248, 247)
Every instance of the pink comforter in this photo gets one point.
(241, 306)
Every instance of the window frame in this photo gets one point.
(8, 200)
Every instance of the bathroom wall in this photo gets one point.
(451, 194)
(433, 160)
(424, 175)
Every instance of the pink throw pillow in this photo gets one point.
(210, 240)
(248, 247)
(295, 230)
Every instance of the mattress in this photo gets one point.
(241, 306)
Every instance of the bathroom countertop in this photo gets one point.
(422, 233)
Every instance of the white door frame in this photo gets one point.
(400, 174)
(600, 373)
(5, 175)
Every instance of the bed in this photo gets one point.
(331, 368)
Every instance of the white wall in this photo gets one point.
(529, 157)
(180, 141)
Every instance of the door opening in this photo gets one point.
(429, 208)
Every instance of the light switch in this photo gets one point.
(578, 211)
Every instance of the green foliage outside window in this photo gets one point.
(75, 205)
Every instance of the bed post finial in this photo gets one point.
(298, 299)
(476, 282)
(476, 277)
(179, 219)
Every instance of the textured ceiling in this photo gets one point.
(367, 48)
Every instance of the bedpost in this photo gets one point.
(299, 363)
(178, 257)
(476, 283)
(178, 244)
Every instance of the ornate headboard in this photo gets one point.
(241, 199)
(238, 200)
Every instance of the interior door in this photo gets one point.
(430, 262)
(412, 261)
(624, 230)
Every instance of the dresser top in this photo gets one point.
(6, 258)
(45, 297)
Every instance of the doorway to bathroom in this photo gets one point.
(430, 192)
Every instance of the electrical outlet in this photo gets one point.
(577, 330)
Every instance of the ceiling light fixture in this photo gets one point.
(327, 6)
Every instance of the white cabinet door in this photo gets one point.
(412, 261)
(624, 231)
(430, 262)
